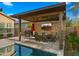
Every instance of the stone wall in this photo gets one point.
(53, 30)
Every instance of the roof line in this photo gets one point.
(7, 16)
(46, 7)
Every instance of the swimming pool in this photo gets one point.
(28, 51)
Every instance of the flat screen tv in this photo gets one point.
(46, 26)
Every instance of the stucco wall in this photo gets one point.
(5, 20)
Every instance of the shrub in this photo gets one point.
(72, 43)
(9, 34)
(72, 38)
(1, 35)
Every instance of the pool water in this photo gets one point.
(28, 51)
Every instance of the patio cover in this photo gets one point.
(48, 9)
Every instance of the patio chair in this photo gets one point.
(27, 33)
(37, 37)
(51, 38)
(44, 37)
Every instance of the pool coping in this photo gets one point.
(59, 53)
(36, 49)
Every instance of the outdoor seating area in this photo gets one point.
(46, 23)
(45, 38)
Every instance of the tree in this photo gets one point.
(68, 22)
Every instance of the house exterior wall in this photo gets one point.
(6, 20)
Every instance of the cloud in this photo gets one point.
(72, 7)
(78, 16)
(9, 14)
(68, 3)
(8, 3)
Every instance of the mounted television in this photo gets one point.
(46, 26)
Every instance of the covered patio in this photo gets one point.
(53, 15)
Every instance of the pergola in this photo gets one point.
(49, 13)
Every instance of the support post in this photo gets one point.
(61, 30)
(19, 29)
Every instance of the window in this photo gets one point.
(9, 27)
(2, 26)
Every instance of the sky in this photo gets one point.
(11, 8)
(69, 12)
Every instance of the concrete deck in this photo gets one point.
(5, 43)
(50, 46)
